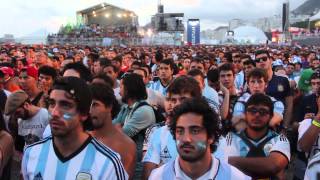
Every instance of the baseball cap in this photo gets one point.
(78, 89)
(7, 71)
(304, 81)
(14, 101)
(31, 71)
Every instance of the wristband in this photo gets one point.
(316, 123)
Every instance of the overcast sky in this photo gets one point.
(24, 17)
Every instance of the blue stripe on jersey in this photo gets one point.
(61, 170)
(88, 159)
(43, 157)
(112, 156)
(103, 170)
(26, 159)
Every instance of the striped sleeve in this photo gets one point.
(116, 171)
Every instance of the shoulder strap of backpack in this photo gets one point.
(143, 103)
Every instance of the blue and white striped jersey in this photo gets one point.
(313, 169)
(93, 161)
(233, 145)
(157, 86)
(218, 171)
(161, 147)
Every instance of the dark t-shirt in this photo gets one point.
(308, 104)
(279, 88)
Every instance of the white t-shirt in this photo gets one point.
(32, 129)
(218, 171)
(303, 127)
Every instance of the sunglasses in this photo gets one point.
(261, 111)
(264, 59)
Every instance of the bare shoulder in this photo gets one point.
(125, 140)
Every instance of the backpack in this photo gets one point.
(157, 112)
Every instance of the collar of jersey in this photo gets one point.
(72, 155)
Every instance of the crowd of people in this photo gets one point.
(93, 32)
(159, 112)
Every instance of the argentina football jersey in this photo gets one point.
(162, 147)
(158, 86)
(239, 145)
(91, 161)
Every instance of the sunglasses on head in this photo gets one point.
(261, 111)
(264, 59)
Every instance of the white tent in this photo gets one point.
(249, 35)
(315, 17)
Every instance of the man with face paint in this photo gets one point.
(159, 145)
(257, 151)
(195, 129)
(31, 119)
(70, 153)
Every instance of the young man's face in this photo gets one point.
(65, 117)
(257, 85)
(247, 68)
(258, 117)
(263, 62)
(289, 69)
(191, 137)
(177, 99)
(197, 65)
(27, 83)
(45, 82)
(109, 71)
(165, 72)
(227, 79)
(186, 63)
(315, 85)
(97, 67)
(98, 113)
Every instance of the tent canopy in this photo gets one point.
(249, 34)
(315, 17)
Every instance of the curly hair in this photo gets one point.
(210, 119)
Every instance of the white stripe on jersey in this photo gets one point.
(157, 86)
(161, 147)
(41, 161)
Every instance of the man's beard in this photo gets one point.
(200, 152)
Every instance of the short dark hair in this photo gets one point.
(134, 86)
(248, 62)
(213, 75)
(198, 60)
(143, 70)
(226, 67)
(258, 52)
(81, 69)
(48, 70)
(103, 61)
(105, 78)
(109, 64)
(185, 84)
(260, 99)
(315, 75)
(168, 62)
(105, 94)
(78, 90)
(195, 72)
(258, 73)
(199, 106)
